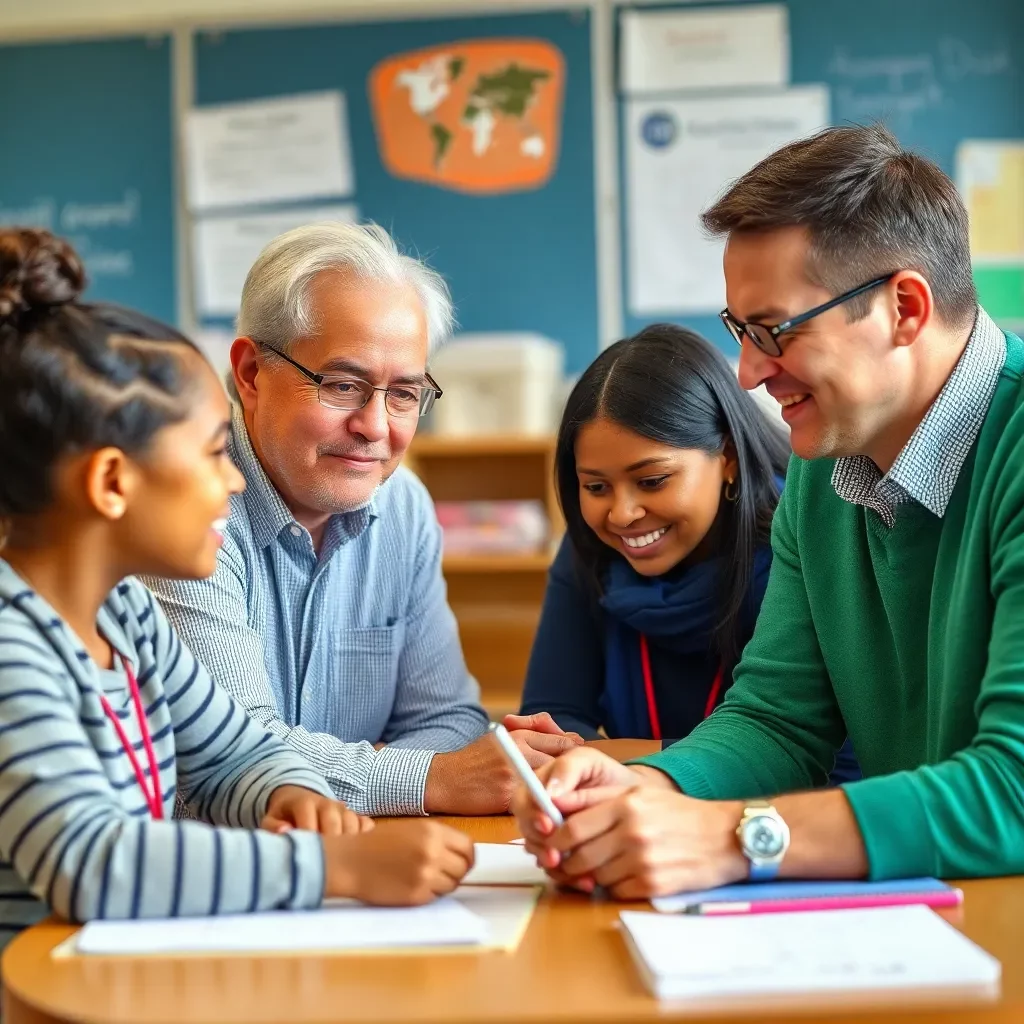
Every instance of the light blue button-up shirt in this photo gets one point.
(338, 651)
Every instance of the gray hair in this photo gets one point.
(276, 309)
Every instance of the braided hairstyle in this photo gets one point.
(73, 376)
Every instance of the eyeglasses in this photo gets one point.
(767, 338)
(340, 391)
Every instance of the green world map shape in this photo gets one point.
(508, 92)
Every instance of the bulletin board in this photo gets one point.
(87, 149)
(519, 255)
(936, 73)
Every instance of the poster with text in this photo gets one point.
(681, 154)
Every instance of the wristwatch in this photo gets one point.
(764, 839)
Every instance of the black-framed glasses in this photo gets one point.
(343, 391)
(766, 338)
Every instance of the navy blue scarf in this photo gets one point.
(679, 611)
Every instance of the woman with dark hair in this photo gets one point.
(113, 464)
(668, 476)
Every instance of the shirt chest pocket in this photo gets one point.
(363, 681)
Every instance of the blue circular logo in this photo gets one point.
(659, 130)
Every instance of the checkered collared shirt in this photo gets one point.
(926, 470)
(337, 649)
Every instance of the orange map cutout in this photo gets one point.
(481, 116)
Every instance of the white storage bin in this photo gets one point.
(497, 384)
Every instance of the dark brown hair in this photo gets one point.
(870, 207)
(73, 376)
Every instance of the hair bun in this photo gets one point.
(37, 271)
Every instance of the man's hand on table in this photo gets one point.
(479, 780)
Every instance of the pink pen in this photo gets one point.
(939, 898)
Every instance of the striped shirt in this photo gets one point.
(75, 830)
(336, 650)
(927, 469)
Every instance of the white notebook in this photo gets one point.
(812, 951)
(346, 927)
(504, 864)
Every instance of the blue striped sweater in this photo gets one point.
(75, 832)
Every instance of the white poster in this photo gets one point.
(735, 47)
(268, 151)
(225, 247)
(681, 154)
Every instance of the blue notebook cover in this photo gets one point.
(754, 892)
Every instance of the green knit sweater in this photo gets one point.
(911, 639)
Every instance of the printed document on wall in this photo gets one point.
(990, 174)
(681, 154)
(727, 48)
(991, 178)
(226, 247)
(269, 151)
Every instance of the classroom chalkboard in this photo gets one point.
(517, 261)
(935, 71)
(87, 151)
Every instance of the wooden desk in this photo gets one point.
(571, 968)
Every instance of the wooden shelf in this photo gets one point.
(496, 598)
(539, 562)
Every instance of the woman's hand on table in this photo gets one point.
(629, 830)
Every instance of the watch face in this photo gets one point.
(762, 837)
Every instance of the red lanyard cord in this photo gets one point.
(153, 798)
(652, 706)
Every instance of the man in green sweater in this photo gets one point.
(895, 609)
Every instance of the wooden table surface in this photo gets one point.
(571, 967)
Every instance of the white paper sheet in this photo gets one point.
(507, 910)
(734, 47)
(887, 948)
(225, 248)
(350, 927)
(268, 151)
(504, 864)
(681, 154)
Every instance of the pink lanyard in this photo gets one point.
(652, 707)
(153, 801)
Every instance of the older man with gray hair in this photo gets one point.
(327, 616)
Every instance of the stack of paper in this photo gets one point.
(490, 911)
(893, 947)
